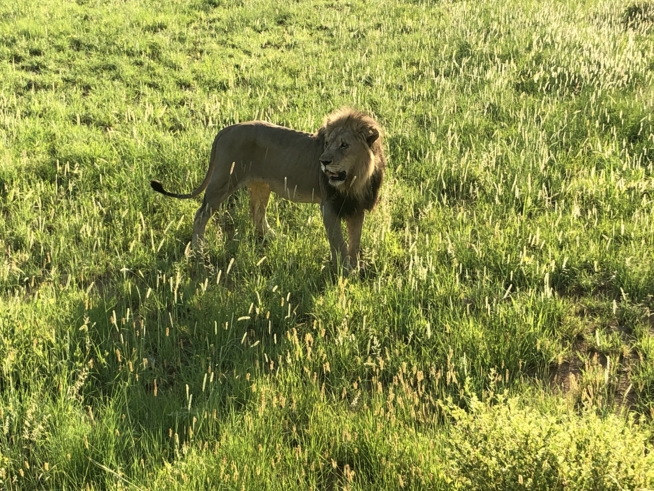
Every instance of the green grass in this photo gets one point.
(501, 336)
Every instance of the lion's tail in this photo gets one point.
(158, 187)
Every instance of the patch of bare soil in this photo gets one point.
(586, 373)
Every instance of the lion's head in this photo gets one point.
(353, 151)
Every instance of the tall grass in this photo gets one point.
(500, 336)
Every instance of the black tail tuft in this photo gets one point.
(157, 186)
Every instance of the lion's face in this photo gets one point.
(347, 159)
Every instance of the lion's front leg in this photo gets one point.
(354, 228)
(332, 223)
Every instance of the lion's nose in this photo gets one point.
(325, 162)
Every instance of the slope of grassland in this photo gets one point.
(501, 335)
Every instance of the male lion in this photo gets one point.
(341, 166)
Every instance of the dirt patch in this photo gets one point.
(599, 365)
(564, 378)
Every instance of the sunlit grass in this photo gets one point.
(501, 333)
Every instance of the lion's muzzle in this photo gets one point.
(335, 178)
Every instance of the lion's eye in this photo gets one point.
(344, 145)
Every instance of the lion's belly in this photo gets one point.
(285, 159)
(290, 189)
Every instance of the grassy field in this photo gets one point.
(501, 336)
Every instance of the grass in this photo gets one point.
(501, 336)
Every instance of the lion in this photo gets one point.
(341, 166)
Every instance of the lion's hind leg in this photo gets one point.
(209, 206)
(199, 224)
(259, 196)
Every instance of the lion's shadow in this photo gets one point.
(173, 348)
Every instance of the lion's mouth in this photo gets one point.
(335, 177)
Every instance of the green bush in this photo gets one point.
(509, 446)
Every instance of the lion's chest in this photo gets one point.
(346, 205)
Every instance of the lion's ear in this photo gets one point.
(371, 136)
